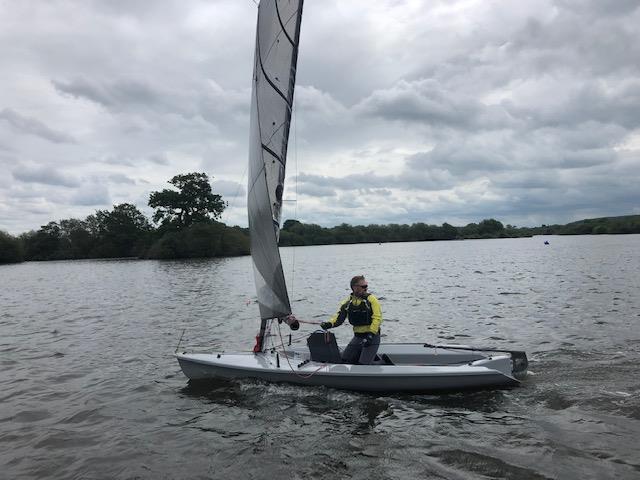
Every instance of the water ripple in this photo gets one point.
(90, 388)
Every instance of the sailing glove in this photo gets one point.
(367, 340)
(326, 325)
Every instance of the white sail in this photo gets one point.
(274, 72)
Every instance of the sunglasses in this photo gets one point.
(364, 287)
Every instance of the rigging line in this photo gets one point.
(295, 167)
(294, 117)
(237, 195)
(284, 352)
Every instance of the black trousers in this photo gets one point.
(356, 353)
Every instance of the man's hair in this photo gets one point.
(356, 279)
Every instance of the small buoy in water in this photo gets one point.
(546, 242)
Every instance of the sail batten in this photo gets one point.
(276, 52)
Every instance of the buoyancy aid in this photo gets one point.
(361, 314)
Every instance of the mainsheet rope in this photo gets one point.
(284, 352)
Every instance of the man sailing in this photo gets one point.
(363, 311)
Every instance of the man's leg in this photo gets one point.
(368, 353)
(352, 350)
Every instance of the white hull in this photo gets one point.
(444, 370)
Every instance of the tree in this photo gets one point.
(80, 242)
(290, 224)
(448, 232)
(490, 227)
(122, 232)
(193, 202)
(43, 244)
(10, 249)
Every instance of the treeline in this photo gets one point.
(295, 233)
(187, 228)
(597, 226)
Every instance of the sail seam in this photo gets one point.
(270, 82)
(272, 153)
(284, 30)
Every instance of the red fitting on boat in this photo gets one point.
(257, 348)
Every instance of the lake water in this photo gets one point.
(89, 387)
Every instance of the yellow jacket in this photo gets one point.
(376, 314)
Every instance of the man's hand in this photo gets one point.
(367, 339)
(326, 325)
(292, 321)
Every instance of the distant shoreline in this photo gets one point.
(216, 240)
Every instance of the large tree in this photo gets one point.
(122, 232)
(192, 202)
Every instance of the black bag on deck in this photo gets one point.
(323, 347)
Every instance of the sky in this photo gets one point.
(405, 111)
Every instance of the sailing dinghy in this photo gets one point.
(398, 367)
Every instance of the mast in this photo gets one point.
(274, 72)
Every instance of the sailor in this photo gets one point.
(363, 311)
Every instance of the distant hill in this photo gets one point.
(594, 226)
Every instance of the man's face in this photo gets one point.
(360, 288)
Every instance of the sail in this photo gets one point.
(274, 74)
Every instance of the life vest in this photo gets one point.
(359, 315)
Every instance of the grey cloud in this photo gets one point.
(508, 152)
(228, 188)
(159, 159)
(119, 93)
(587, 158)
(348, 182)
(426, 101)
(427, 179)
(405, 103)
(599, 8)
(43, 175)
(33, 126)
(206, 99)
(121, 179)
(369, 182)
(617, 104)
(466, 156)
(586, 135)
(316, 105)
(219, 106)
(92, 195)
(586, 37)
(114, 159)
(129, 161)
(313, 190)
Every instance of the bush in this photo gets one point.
(11, 250)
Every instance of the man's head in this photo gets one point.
(359, 285)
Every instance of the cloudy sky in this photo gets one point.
(406, 111)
